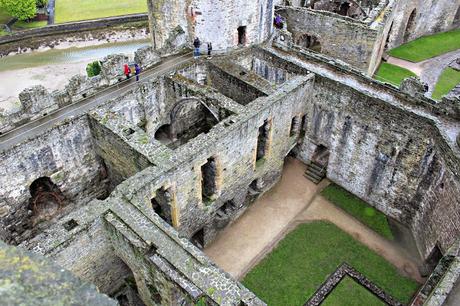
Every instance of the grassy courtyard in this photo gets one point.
(428, 46)
(348, 287)
(447, 81)
(392, 74)
(302, 261)
(70, 10)
(358, 209)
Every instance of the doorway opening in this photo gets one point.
(208, 180)
(198, 239)
(161, 204)
(46, 201)
(242, 36)
(263, 140)
(410, 27)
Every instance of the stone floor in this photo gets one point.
(292, 201)
(429, 70)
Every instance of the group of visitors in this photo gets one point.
(128, 72)
(197, 45)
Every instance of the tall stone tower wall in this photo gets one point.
(211, 21)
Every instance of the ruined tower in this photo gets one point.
(227, 24)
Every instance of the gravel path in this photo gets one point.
(429, 70)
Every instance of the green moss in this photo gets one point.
(359, 209)
(428, 46)
(260, 162)
(303, 260)
(392, 74)
(446, 82)
(21, 25)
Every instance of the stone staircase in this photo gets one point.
(315, 172)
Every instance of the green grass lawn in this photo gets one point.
(348, 287)
(429, 46)
(447, 81)
(392, 74)
(359, 209)
(71, 10)
(302, 261)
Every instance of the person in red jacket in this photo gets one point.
(127, 71)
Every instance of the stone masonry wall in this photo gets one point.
(66, 155)
(211, 21)
(341, 38)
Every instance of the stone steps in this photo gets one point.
(315, 172)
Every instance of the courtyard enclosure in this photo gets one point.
(127, 183)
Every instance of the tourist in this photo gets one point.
(127, 71)
(197, 44)
(209, 49)
(278, 22)
(138, 71)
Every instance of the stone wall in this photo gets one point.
(387, 150)
(66, 155)
(211, 21)
(429, 17)
(343, 38)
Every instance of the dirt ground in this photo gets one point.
(292, 201)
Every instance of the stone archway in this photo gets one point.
(308, 41)
(46, 199)
(410, 26)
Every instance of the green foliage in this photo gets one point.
(428, 46)
(349, 287)
(446, 82)
(29, 24)
(359, 209)
(303, 260)
(93, 69)
(21, 9)
(41, 3)
(392, 74)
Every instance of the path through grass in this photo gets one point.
(71, 10)
(392, 74)
(359, 209)
(429, 46)
(446, 82)
(302, 261)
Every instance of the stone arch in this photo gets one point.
(46, 199)
(309, 42)
(163, 133)
(456, 21)
(410, 26)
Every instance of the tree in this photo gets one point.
(21, 9)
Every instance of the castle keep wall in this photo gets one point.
(211, 21)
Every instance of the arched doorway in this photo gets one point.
(46, 199)
(457, 18)
(410, 27)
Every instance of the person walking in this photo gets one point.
(138, 71)
(197, 44)
(209, 50)
(127, 71)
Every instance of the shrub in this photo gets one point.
(93, 69)
(42, 3)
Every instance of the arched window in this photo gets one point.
(410, 27)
